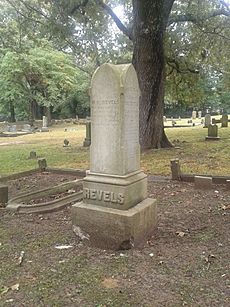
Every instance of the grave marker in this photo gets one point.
(212, 133)
(115, 208)
(87, 140)
(207, 120)
(224, 121)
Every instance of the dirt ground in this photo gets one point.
(185, 263)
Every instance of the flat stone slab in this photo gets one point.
(18, 203)
(112, 228)
(202, 182)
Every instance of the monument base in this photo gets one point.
(45, 129)
(212, 138)
(112, 228)
(87, 143)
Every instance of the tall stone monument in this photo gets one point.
(115, 212)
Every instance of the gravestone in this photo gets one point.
(45, 124)
(42, 164)
(87, 140)
(224, 121)
(175, 169)
(115, 212)
(207, 120)
(3, 195)
(212, 133)
(199, 114)
(27, 128)
(11, 128)
(164, 119)
(33, 155)
(193, 114)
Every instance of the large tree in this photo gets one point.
(83, 24)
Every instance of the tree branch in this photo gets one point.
(78, 6)
(117, 21)
(192, 18)
(175, 65)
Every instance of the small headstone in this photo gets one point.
(3, 195)
(66, 143)
(42, 164)
(212, 133)
(224, 121)
(27, 128)
(13, 128)
(202, 182)
(87, 140)
(33, 155)
(45, 124)
(193, 114)
(207, 120)
(76, 117)
(164, 119)
(199, 114)
(175, 168)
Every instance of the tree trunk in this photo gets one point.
(150, 19)
(12, 113)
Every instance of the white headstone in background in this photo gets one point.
(45, 124)
(193, 114)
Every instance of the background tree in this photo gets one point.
(178, 34)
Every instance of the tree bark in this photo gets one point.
(12, 113)
(150, 19)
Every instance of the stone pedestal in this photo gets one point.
(3, 194)
(115, 212)
(115, 229)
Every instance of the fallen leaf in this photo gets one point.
(180, 234)
(15, 287)
(63, 246)
(110, 283)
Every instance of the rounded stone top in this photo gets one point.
(120, 73)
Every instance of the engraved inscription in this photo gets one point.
(106, 196)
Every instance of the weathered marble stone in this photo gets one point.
(194, 113)
(45, 124)
(175, 169)
(199, 114)
(212, 133)
(207, 120)
(115, 185)
(42, 164)
(224, 121)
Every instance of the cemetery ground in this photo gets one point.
(184, 263)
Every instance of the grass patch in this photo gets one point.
(196, 154)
